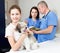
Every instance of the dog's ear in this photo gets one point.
(18, 27)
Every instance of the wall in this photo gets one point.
(27, 4)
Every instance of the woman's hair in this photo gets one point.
(14, 7)
(43, 3)
(37, 17)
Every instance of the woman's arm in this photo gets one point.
(45, 31)
(16, 45)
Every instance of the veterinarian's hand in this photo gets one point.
(34, 31)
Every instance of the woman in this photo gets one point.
(11, 29)
(33, 19)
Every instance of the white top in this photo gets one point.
(10, 31)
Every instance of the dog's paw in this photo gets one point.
(34, 46)
(28, 50)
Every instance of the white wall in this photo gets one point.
(27, 4)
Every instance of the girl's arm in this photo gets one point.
(16, 45)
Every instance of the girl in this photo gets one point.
(15, 15)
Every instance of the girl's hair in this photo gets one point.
(18, 27)
(14, 7)
(37, 17)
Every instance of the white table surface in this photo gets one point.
(52, 46)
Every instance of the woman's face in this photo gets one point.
(15, 15)
(34, 13)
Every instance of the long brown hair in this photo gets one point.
(18, 27)
(14, 7)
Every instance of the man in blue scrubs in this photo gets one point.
(48, 23)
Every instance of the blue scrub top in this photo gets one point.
(33, 23)
(47, 20)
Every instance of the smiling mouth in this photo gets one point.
(16, 19)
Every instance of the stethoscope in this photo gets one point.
(44, 18)
(46, 15)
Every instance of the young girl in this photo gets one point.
(12, 31)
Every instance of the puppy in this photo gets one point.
(30, 41)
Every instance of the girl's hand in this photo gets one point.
(26, 33)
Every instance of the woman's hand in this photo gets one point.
(34, 31)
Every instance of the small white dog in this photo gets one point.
(30, 41)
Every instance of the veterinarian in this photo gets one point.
(33, 19)
(48, 24)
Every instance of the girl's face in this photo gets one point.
(34, 13)
(15, 15)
